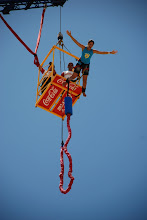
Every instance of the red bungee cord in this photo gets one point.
(36, 61)
(64, 148)
(13, 32)
(39, 35)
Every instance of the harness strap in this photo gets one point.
(67, 87)
(78, 64)
(83, 89)
(78, 78)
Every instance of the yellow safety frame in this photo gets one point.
(38, 95)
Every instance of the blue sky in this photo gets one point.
(109, 126)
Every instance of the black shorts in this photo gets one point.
(81, 66)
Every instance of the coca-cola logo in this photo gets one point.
(51, 94)
(72, 86)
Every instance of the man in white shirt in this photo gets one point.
(69, 72)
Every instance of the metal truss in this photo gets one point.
(7, 6)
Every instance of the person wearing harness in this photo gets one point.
(84, 62)
(69, 72)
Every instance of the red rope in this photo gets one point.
(13, 32)
(36, 60)
(64, 148)
(39, 35)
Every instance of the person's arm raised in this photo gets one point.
(80, 45)
(102, 52)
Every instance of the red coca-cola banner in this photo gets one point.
(72, 86)
(49, 97)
